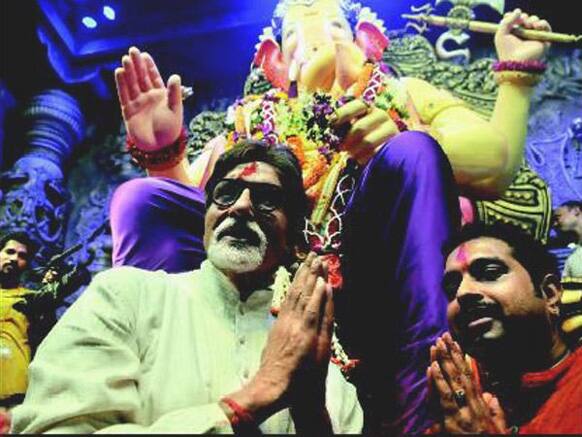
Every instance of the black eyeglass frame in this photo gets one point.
(255, 189)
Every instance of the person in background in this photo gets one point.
(16, 250)
(568, 218)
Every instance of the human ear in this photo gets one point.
(551, 289)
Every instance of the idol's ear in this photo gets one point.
(270, 58)
(371, 40)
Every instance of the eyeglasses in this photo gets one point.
(265, 197)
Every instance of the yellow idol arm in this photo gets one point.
(510, 117)
(484, 154)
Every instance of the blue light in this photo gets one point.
(109, 12)
(89, 22)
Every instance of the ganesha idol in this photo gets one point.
(384, 160)
(321, 53)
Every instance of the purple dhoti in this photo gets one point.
(157, 224)
(391, 309)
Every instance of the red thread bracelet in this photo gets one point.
(241, 415)
(532, 66)
(162, 159)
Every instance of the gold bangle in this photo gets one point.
(521, 78)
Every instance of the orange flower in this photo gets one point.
(334, 275)
(314, 170)
(295, 143)
(363, 79)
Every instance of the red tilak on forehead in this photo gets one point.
(249, 169)
(462, 257)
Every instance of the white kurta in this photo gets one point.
(573, 266)
(154, 352)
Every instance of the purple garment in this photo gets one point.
(157, 224)
(391, 309)
(392, 306)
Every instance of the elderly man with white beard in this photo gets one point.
(199, 352)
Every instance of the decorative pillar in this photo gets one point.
(33, 195)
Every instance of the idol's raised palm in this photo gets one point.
(151, 110)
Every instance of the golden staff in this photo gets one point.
(486, 27)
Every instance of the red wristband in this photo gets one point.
(162, 159)
(241, 415)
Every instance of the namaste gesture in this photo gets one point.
(463, 406)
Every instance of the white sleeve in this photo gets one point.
(567, 272)
(84, 377)
(345, 411)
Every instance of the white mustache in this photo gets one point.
(230, 222)
(239, 258)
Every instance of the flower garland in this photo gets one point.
(304, 124)
(280, 287)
